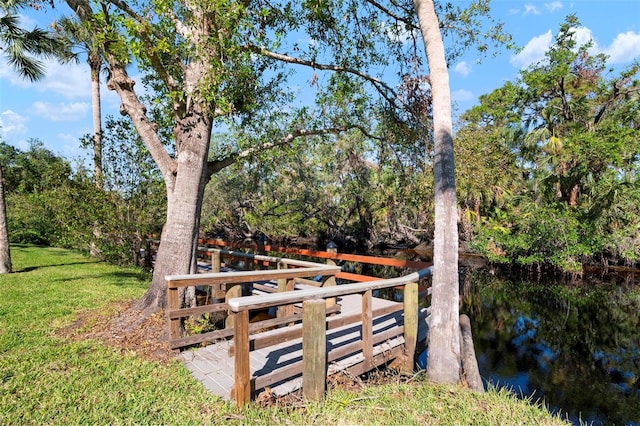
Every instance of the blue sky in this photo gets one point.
(57, 110)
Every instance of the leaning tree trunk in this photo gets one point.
(5, 251)
(184, 197)
(444, 330)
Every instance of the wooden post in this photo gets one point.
(282, 287)
(233, 290)
(331, 248)
(173, 303)
(215, 261)
(410, 323)
(314, 349)
(242, 376)
(367, 328)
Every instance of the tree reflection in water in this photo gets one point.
(577, 348)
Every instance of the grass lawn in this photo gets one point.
(49, 376)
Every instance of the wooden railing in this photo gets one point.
(227, 285)
(314, 326)
(331, 254)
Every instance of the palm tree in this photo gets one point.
(83, 36)
(22, 48)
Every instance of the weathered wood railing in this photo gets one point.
(331, 254)
(227, 285)
(314, 326)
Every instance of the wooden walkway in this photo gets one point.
(279, 367)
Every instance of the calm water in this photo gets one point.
(576, 348)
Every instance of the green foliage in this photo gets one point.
(48, 205)
(344, 188)
(34, 171)
(565, 140)
(31, 179)
(117, 219)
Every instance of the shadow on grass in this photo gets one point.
(117, 278)
(33, 268)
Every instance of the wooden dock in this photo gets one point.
(318, 329)
(279, 366)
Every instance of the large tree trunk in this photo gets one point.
(5, 251)
(184, 197)
(444, 330)
(184, 176)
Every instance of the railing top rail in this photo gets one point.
(176, 281)
(276, 299)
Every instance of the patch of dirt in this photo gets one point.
(147, 335)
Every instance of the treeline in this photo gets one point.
(548, 164)
(51, 202)
(547, 178)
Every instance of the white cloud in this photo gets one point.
(583, 36)
(71, 145)
(74, 111)
(462, 96)
(26, 22)
(13, 128)
(530, 9)
(624, 48)
(71, 80)
(533, 52)
(553, 6)
(462, 68)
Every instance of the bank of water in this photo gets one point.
(574, 347)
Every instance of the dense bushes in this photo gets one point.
(51, 204)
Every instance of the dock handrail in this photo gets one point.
(276, 299)
(314, 328)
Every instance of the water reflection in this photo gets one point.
(577, 348)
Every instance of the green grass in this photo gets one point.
(46, 379)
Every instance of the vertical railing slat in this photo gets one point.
(233, 290)
(173, 303)
(216, 261)
(367, 328)
(282, 287)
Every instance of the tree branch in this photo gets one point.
(155, 59)
(217, 165)
(392, 14)
(131, 106)
(383, 88)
